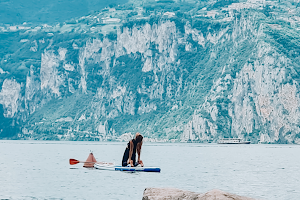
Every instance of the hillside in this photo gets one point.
(172, 70)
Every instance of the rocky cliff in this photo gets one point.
(172, 70)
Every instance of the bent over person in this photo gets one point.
(134, 146)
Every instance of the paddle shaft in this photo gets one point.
(74, 162)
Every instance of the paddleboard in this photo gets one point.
(126, 169)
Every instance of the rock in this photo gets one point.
(168, 193)
(218, 194)
(177, 194)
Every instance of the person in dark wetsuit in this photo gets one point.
(134, 146)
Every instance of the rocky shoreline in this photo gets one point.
(177, 194)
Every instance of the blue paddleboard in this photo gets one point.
(126, 169)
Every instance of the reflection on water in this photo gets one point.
(35, 169)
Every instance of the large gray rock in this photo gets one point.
(177, 194)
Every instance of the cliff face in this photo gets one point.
(171, 70)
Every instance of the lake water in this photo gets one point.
(41, 170)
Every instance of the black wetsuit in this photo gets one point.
(126, 154)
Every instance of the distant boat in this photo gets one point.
(232, 141)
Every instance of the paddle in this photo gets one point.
(74, 162)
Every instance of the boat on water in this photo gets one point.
(232, 141)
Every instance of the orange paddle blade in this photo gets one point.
(74, 161)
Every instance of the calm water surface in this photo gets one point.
(40, 170)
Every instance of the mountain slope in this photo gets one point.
(180, 71)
